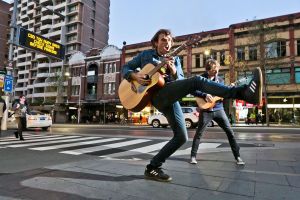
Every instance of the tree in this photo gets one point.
(261, 45)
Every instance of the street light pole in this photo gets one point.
(79, 99)
(9, 68)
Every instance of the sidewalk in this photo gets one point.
(270, 173)
(136, 125)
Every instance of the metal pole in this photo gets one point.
(10, 58)
(79, 103)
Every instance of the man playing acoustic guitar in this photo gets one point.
(215, 112)
(176, 87)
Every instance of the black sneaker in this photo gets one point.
(156, 174)
(253, 92)
(16, 134)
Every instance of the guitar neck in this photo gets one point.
(172, 54)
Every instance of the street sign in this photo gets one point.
(31, 40)
(8, 84)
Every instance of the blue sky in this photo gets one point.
(136, 21)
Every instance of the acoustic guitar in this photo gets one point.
(135, 96)
(203, 104)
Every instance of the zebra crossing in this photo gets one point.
(103, 147)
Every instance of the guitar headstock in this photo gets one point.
(193, 40)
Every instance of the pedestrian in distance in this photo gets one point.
(258, 118)
(140, 119)
(2, 110)
(215, 112)
(230, 119)
(175, 87)
(21, 109)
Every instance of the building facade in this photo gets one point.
(273, 44)
(5, 16)
(84, 26)
(92, 88)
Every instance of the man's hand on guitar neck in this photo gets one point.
(170, 65)
(209, 98)
(140, 78)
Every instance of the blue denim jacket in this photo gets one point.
(146, 57)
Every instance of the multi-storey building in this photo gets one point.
(94, 78)
(272, 44)
(84, 26)
(5, 16)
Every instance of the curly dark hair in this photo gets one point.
(156, 35)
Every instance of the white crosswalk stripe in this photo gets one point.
(37, 140)
(28, 137)
(51, 142)
(104, 147)
(146, 149)
(75, 144)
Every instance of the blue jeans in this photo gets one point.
(166, 101)
(220, 117)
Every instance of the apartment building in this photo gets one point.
(84, 26)
(272, 44)
(92, 87)
(5, 16)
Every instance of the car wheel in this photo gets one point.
(188, 123)
(45, 128)
(155, 123)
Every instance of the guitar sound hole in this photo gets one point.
(147, 77)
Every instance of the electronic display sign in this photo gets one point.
(33, 41)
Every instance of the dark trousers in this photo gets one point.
(21, 125)
(166, 101)
(220, 117)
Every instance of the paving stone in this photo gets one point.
(244, 188)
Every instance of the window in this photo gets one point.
(110, 68)
(73, 8)
(253, 53)
(297, 74)
(114, 67)
(240, 53)
(278, 76)
(214, 55)
(75, 90)
(106, 67)
(113, 88)
(205, 57)
(71, 47)
(275, 49)
(72, 27)
(197, 61)
(71, 38)
(222, 58)
(72, 18)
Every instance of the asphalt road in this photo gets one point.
(254, 133)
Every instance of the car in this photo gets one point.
(191, 116)
(35, 119)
